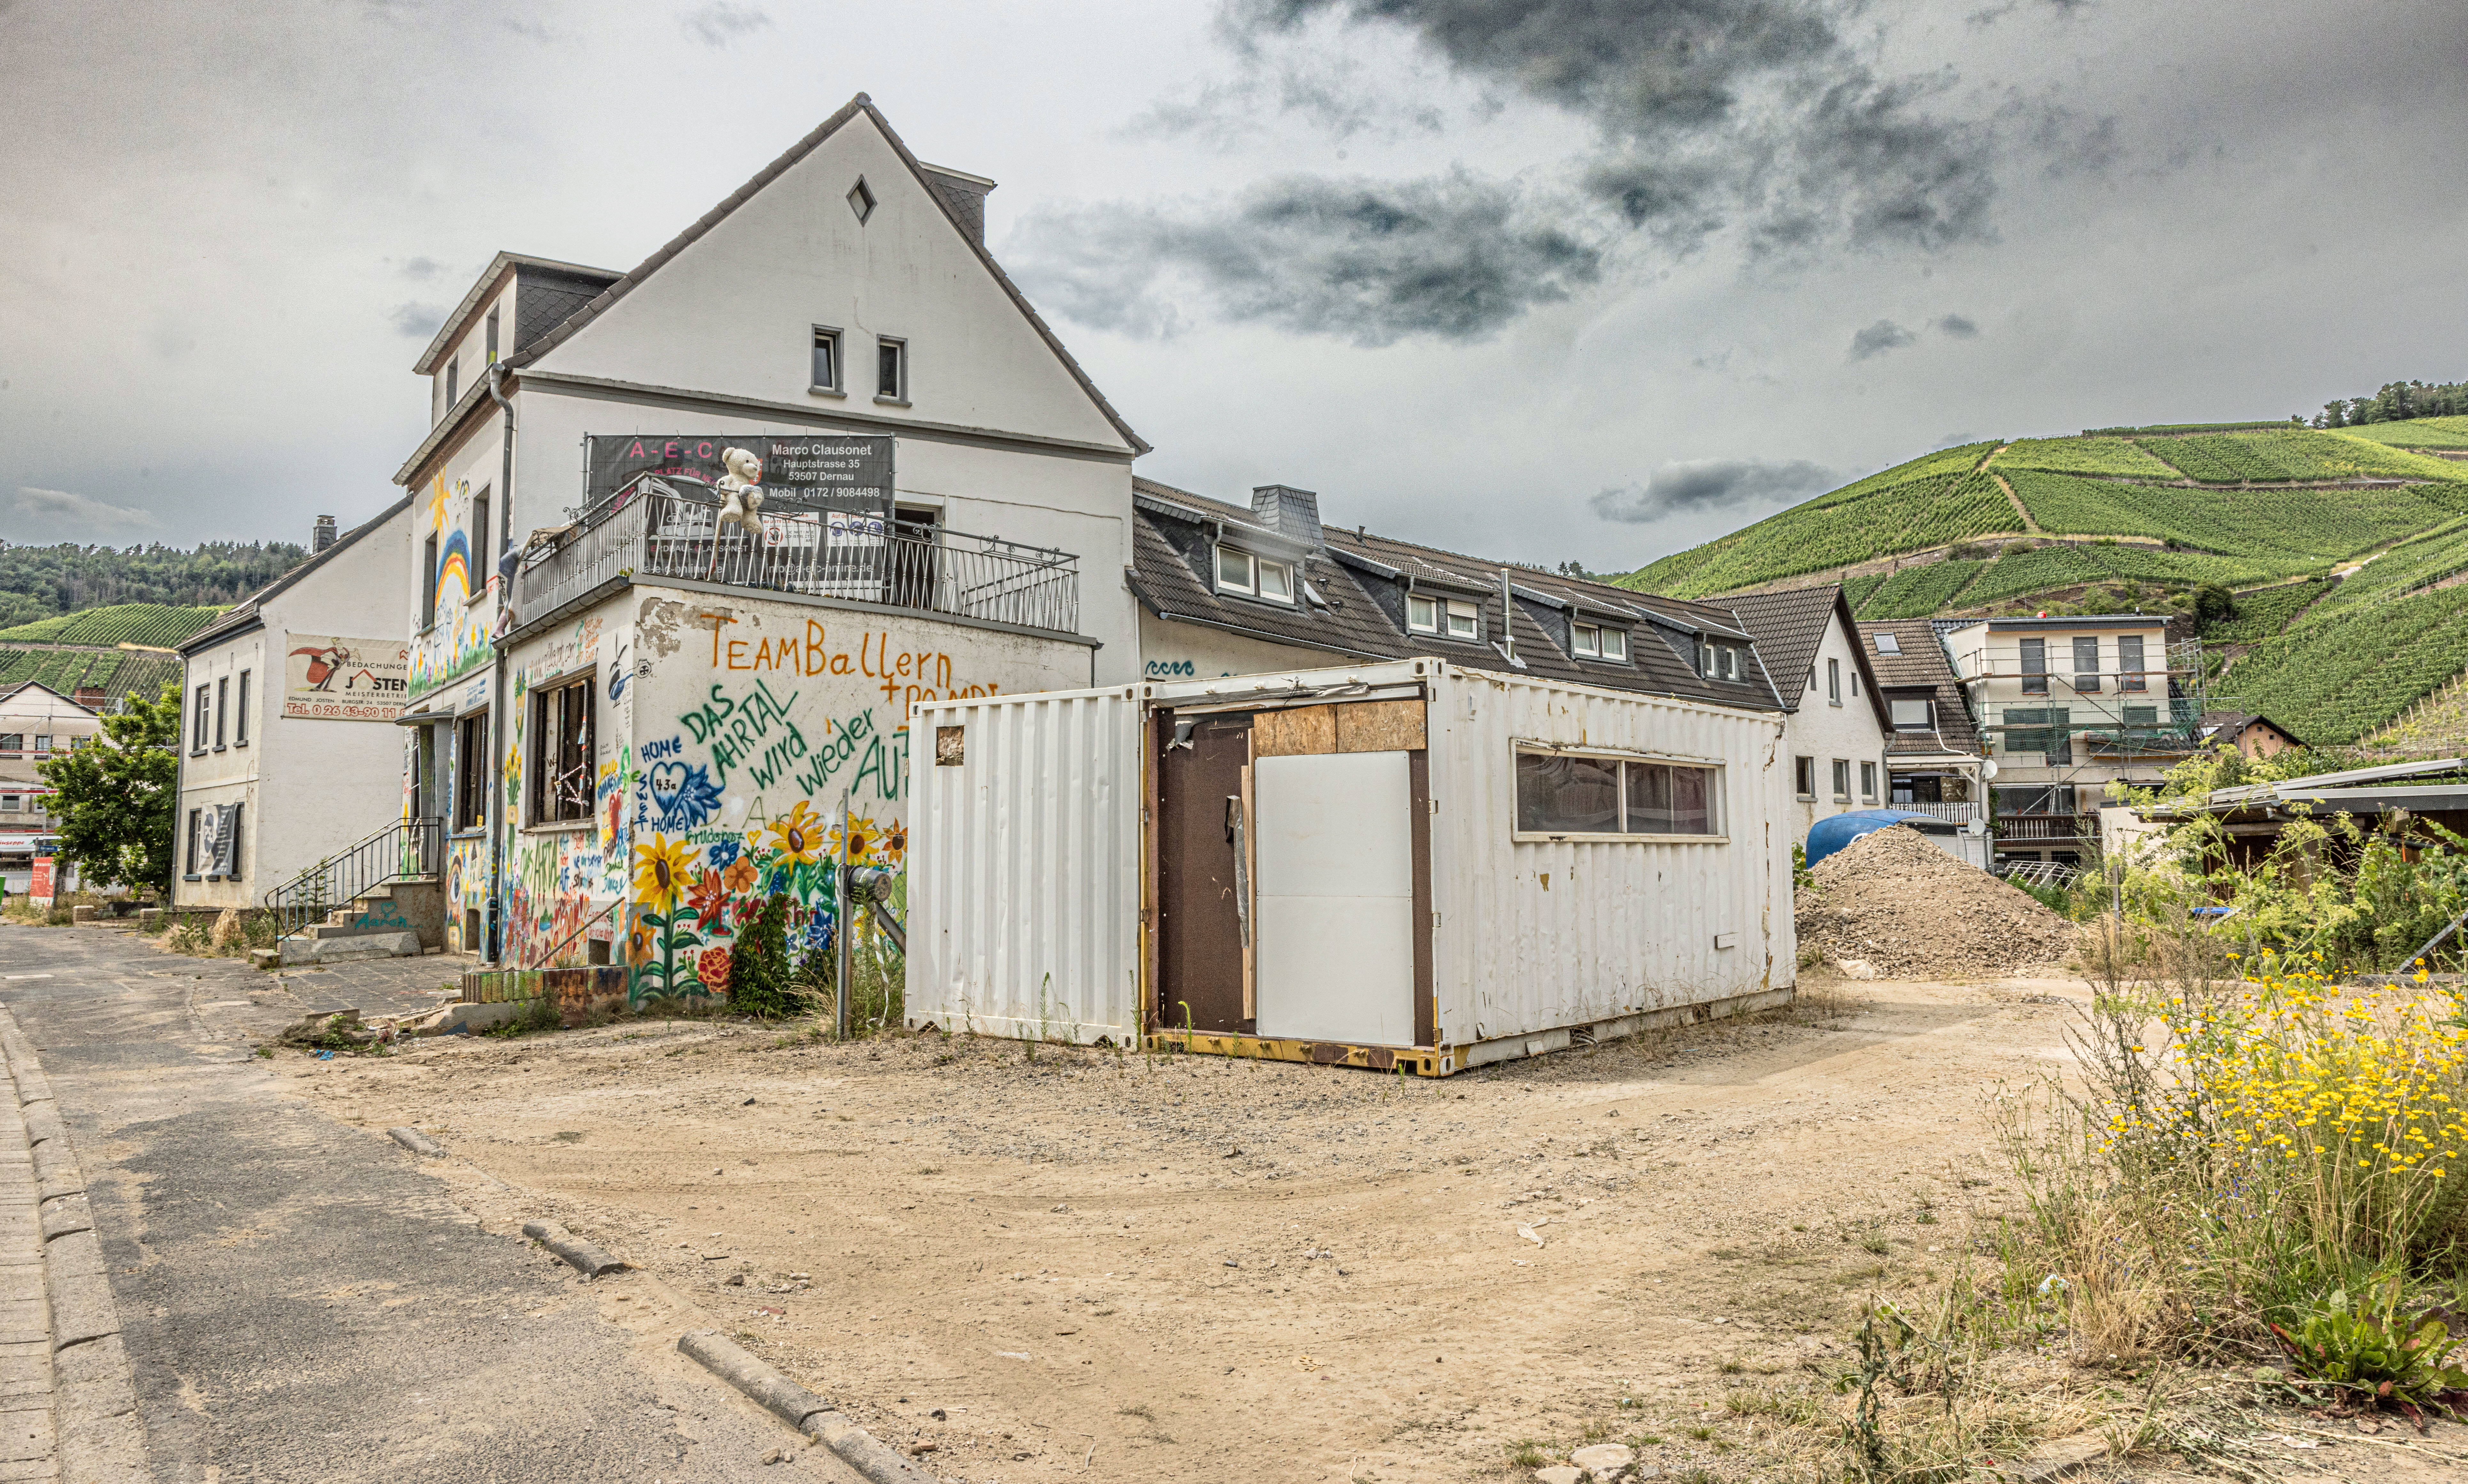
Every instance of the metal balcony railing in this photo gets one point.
(660, 528)
(2047, 827)
(1960, 813)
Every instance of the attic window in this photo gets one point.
(860, 200)
(1593, 641)
(1454, 616)
(1239, 571)
(1887, 644)
(1721, 662)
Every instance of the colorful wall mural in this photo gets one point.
(458, 640)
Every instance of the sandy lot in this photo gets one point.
(1110, 1266)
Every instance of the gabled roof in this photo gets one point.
(1353, 598)
(486, 286)
(243, 614)
(2226, 726)
(860, 104)
(1922, 663)
(23, 686)
(1789, 625)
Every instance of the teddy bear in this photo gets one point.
(743, 488)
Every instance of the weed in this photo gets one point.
(1876, 1245)
(1526, 1453)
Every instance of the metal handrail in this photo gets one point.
(568, 940)
(404, 850)
(660, 528)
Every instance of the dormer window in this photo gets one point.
(1453, 617)
(1722, 661)
(1593, 641)
(1254, 576)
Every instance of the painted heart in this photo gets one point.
(666, 781)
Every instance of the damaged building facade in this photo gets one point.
(693, 540)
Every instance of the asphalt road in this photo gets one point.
(299, 1301)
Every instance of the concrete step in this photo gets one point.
(345, 947)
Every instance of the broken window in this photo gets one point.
(561, 752)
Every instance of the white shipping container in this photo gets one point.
(1385, 905)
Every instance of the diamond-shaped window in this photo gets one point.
(860, 200)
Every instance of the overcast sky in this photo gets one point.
(1547, 280)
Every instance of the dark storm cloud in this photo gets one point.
(1677, 488)
(1372, 262)
(1880, 337)
(1959, 325)
(1329, 93)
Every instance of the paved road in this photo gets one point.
(299, 1301)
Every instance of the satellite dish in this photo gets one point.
(1987, 770)
(1977, 827)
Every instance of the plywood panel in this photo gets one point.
(1380, 726)
(1304, 731)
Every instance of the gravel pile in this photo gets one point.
(1891, 906)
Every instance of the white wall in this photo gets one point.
(1183, 652)
(1823, 729)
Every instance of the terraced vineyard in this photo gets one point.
(2336, 679)
(1916, 592)
(152, 624)
(116, 672)
(2084, 456)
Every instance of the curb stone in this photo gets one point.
(577, 1253)
(99, 1437)
(764, 1384)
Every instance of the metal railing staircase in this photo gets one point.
(404, 850)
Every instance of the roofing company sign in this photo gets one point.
(840, 472)
(330, 678)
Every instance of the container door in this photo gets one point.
(1204, 776)
(1337, 913)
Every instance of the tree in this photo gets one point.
(117, 796)
(2213, 605)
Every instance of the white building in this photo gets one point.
(1839, 723)
(668, 702)
(285, 736)
(2068, 705)
(36, 722)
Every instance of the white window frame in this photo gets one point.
(1249, 585)
(1833, 682)
(1927, 712)
(1444, 612)
(1803, 768)
(831, 335)
(1598, 641)
(1718, 797)
(1890, 644)
(1868, 781)
(897, 346)
(1841, 780)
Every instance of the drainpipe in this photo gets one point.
(1507, 617)
(499, 733)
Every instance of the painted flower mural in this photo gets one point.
(741, 875)
(707, 895)
(661, 869)
(713, 969)
(798, 835)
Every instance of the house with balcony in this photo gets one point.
(831, 465)
(1933, 753)
(2069, 705)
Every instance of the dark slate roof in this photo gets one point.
(243, 614)
(561, 280)
(938, 190)
(1790, 625)
(1922, 665)
(1358, 580)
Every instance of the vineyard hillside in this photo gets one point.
(2342, 553)
(121, 649)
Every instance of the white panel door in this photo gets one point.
(1335, 939)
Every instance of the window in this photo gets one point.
(827, 359)
(1465, 620)
(860, 200)
(2129, 663)
(2087, 664)
(1457, 618)
(1803, 777)
(1594, 641)
(240, 718)
(1561, 793)
(1868, 782)
(2041, 729)
(197, 741)
(2141, 725)
(223, 709)
(1239, 571)
(42, 743)
(2035, 666)
(2033, 798)
(493, 335)
(13, 742)
(481, 565)
(453, 380)
(1841, 780)
(190, 870)
(229, 858)
(1854, 681)
(428, 583)
(1834, 681)
(1616, 645)
(890, 371)
(1889, 643)
(561, 752)
(471, 771)
(1720, 661)
(11, 803)
(1914, 714)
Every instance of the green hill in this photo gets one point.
(2341, 543)
(153, 625)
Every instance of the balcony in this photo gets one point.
(1958, 813)
(2064, 829)
(658, 530)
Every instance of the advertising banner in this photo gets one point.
(330, 678)
(843, 472)
(42, 889)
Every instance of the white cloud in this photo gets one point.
(82, 511)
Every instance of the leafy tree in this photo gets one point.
(117, 796)
(2213, 603)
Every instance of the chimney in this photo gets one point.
(90, 697)
(1288, 512)
(966, 194)
(325, 536)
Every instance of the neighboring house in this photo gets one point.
(625, 698)
(2069, 705)
(1836, 734)
(36, 722)
(2256, 737)
(1226, 589)
(285, 735)
(1933, 753)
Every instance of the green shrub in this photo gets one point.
(760, 978)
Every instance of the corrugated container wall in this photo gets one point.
(1024, 891)
(1539, 936)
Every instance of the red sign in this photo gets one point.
(41, 890)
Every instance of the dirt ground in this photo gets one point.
(1108, 1266)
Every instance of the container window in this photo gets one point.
(1563, 794)
(1669, 798)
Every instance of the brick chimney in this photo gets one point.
(325, 536)
(1288, 512)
